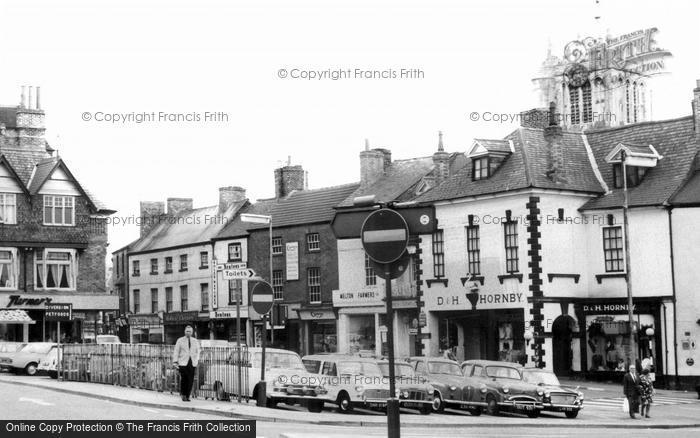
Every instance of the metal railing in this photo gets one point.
(147, 366)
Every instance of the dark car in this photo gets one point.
(446, 378)
(556, 398)
(414, 392)
(499, 386)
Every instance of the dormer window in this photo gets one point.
(481, 168)
(637, 160)
(634, 175)
(487, 156)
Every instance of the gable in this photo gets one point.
(60, 183)
(8, 181)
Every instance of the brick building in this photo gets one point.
(53, 237)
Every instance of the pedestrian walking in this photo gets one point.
(186, 358)
(647, 392)
(632, 389)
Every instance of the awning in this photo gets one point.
(15, 317)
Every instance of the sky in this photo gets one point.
(197, 56)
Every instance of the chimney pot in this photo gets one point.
(38, 98)
(178, 205)
(288, 179)
(31, 98)
(23, 98)
(372, 165)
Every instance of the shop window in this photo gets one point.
(59, 210)
(55, 269)
(278, 284)
(203, 260)
(609, 347)
(235, 291)
(136, 268)
(184, 298)
(510, 232)
(183, 262)
(276, 246)
(154, 266)
(9, 266)
(635, 174)
(438, 254)
(324, 337)
(204, 288)
(613, 249)
(370, 274)
(313, 281)
(8, 208)
(168, 299)
(235, 253)
(137, 301)
(168, 265)
(313, 242)
(154, 300)
(481, 168)
(473, 250)
(361, 333)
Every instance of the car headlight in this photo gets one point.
(540, 392)
(276, 383)
(483, 390)
(506, 390)
(405, 394)
(359, 389)
(452, 388)
(580, 395)
(431, 391)
(547, 394)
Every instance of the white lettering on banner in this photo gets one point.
(292, 257)
(607, 307)
(359, 298)
(484, 299)
(214, 298)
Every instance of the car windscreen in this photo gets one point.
(400, 369)
(499, 372)
(540, 377)
(357, 368)
(278, 360)
(441, 367)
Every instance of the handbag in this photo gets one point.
(626, 406)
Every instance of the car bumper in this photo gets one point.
(521, 405)
(554, 407)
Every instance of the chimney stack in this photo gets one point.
(229, 196)
(31, 98)
(150, 214)
(441, 160)
(555, 149)
(373, 163)
(23, 98)
(38, 98)
(178, 205)
(288, 179)
(696, 108)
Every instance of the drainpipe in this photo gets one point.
(675, 307)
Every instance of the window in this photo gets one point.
(184, 298)
(154, 266)
(613, 249)
(154, 300)
(234, 252)
(168, 265)
(313, 281)
(370, 275)
(481, 168)
(9, 266)
(55, 269)
(278, 284)
(59, 210)
(204, 287)
(276, 246)
(634, 175)
(235, 291)
(574, 105)
(313, 242)
(8, 208)
(473, 250)
(168, 299)
(329, 369)
(136, 268)
(510, 231)
(203, 260)
(137, 301)
(587, 107)
(183, 262)
(438, 254)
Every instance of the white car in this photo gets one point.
(49, 364)
(27, 359)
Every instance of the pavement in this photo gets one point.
(601, 409)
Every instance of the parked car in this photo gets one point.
(285, 376)
(350, 381)
(414, 391)
(49, 364)
(446, 378)
(7, 351)
(556, 398)
(27, 359)
(107, 339)
(499, 386)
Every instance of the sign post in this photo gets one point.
(262, 303)
(58, 312)
(384, 238)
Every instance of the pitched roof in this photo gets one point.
(397, 179)
(494, 145)
(4, 161)
(190, 227)
(237, 228)
(674, 139)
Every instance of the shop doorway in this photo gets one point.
(562, 336)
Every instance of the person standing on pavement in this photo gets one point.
(647, 392)
(186, 358)
(631, 387)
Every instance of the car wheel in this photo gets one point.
(219, 391)
(475, 411)
(344, 405)
(438, 405)
(571, 414)
(53, 374)
(533, 414)
(425, 409)
(30, 369)
(491, 405)
(315, 406)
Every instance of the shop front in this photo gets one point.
(146, 328)
(224, 326)
(174, 324)
(319, 328)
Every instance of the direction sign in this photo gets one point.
(262, 297)
(235, 265)
(238, 274)
(58, 312)
(384, 235)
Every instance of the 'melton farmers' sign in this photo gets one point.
(369, 297)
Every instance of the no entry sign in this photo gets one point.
(262, 297)
(384, 236)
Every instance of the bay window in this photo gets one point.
(59, 210)
(55, 269)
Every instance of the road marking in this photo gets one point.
(35, 401)
(171, 416)
(153, 411)
(616, 402)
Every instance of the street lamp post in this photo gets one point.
(628, 264)
(264, 219)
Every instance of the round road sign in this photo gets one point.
(384, 236)
(262, 297)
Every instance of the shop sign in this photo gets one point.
(369, 297)
(316, 314)
(615, 308)
(79, 315)
(214, 295)
(292, 258)
(58, 312)
(228, 314)
(484, 301)
(143, 320)
(19, 301)
(180, 317)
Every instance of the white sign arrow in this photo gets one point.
(238, 274)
